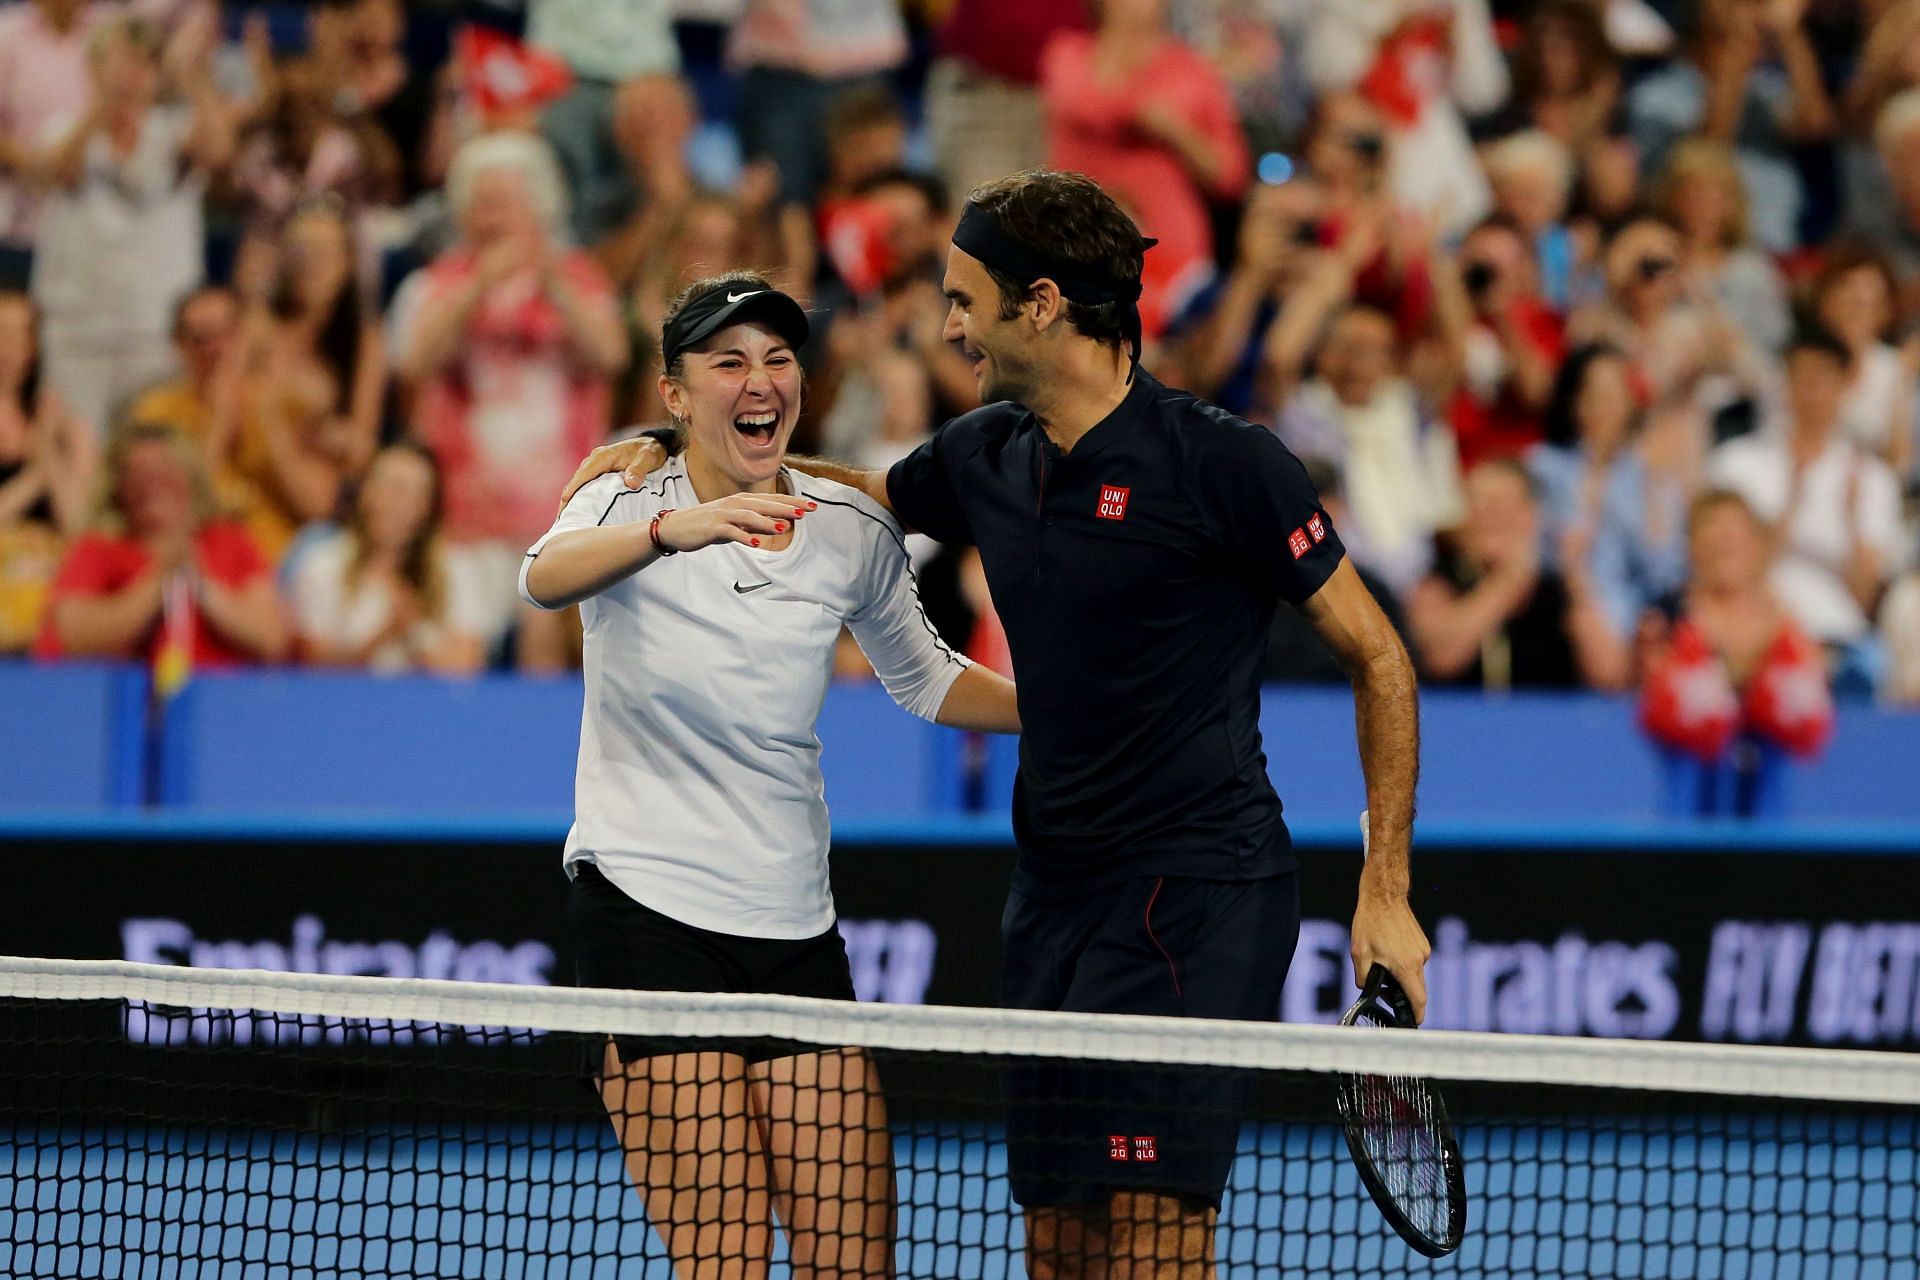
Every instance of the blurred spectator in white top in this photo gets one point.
(1748, 78)
(1834, 506)
(1427, 65)
(121, 233)
(607, 44)
(1700, 191)
(511, 349)
(43, 83)
(1361, 413)
(1854, 299)
(384, 592)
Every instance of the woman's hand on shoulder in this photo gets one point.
(739, 517)
(636, 459)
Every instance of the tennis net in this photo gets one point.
(174, 1122)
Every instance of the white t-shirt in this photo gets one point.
(1845, 497)
(119, 249)
(326, 608)
(698, 790)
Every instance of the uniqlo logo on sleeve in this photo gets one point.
(1117, 1147)
(1143, 1150)
(1317, 527)
(1299, 543)
(1113, 505)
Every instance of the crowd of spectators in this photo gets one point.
(1594, 319)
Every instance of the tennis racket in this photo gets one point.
(1401, 1140)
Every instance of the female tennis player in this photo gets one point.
(712, 600)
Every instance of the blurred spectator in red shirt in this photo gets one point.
(1732, 663)
(162, 568)
(513, 347)
(47, 460)
(984, 109)
(1509, 346)
(384, 592)
(1153, 122)
(43, 82)
(1493, 615)
(1700, 191)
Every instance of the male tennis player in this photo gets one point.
(1136, 540)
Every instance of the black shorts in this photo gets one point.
(621, 943)
(1159, 945)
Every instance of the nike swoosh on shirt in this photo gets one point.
(744, 587)
(735, 297)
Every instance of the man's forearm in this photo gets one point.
(1387, 717)
(871, 483)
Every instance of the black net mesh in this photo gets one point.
(145, 1141)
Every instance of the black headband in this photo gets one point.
(981, 235)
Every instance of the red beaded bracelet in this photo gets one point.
(653, 535)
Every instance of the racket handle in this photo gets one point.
(1381, 984)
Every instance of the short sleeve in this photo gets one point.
(604, 501)
(893, 630)
(1266, 514)
(922, 491)
(230, 555)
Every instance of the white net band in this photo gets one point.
(1832, 1075)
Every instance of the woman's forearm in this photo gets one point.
(247, 617)
(585, 562)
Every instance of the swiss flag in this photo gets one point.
(504, 76)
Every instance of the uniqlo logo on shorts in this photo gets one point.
(1113, 506)
(1317, 527)
(1143, 1150)
(1299, 543)
(1117, 1147)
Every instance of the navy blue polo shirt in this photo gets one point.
(1136, 577)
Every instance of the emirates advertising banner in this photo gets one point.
(1687, 944)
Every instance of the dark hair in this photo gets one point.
(1512, 466)
(1589, 32)
(1642, 214)
(422, 567)
(30, 384)
(931, 189)
(1069, 218)
(864, 106)
(344, 329)
(1844, 260)
(1499, 222)
(1560, 421)
(1817, 339)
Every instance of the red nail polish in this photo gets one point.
(756, 542)
(779, 527)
